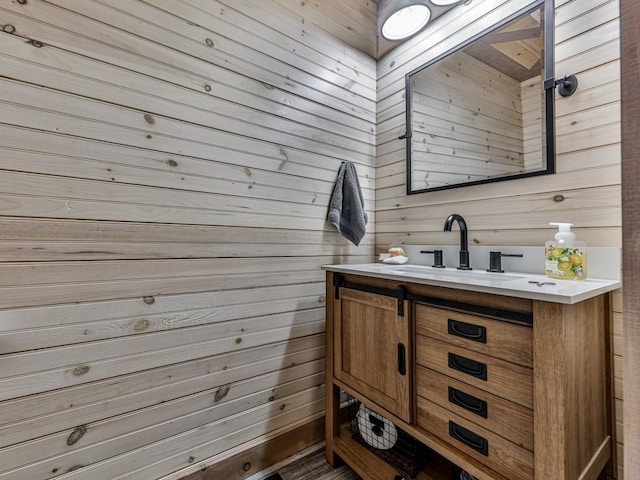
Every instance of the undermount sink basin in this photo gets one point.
(450, 274)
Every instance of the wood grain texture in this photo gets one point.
(520, 305)
(128, 432)
(89, 403)
(149, 150)
(504, 457)
(315, 467)
(374, 468)
(279, 447)
(630, 15)
(368, 332)
(554, 420)
(507, 341)
(586, 41)
(570, 341)
(507, 380)
(588, 156)
(505, 418)
(460, 95)
(332, 393)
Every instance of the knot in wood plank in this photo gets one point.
(149, 300)
(222, 392)
(77, 434)
(79, 371)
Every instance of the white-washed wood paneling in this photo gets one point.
(532, 121)
(165, 172)
(586, 188)
(450, 133)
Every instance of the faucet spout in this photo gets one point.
(464, 246)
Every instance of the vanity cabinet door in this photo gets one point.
(372, 348)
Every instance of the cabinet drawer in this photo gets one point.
(504, 379)
(496, 414)
(510, 342)
(494, 451)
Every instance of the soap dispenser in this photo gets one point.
(565, 257)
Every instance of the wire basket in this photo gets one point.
(392, 444)
(460, 474)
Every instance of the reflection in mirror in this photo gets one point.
(477, 115)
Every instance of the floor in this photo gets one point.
(310, 465)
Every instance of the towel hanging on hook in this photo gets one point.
(346, 209)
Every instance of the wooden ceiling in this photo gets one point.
(515, 49)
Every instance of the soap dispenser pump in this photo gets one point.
(565, 257)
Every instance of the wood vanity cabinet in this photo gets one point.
(371, 337)
(506, 388)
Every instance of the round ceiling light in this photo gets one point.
(405, 22)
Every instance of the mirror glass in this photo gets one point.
(478, 114)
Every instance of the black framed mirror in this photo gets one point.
(484, 111)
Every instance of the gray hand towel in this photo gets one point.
(346, 210)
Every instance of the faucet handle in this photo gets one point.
(437, 258)
(495, 260)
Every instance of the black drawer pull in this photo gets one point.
(475, 333)
(468, 402)
(469, 438)
(467, 366)
(402, 359)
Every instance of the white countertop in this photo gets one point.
(512, 284)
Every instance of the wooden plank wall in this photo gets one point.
(586, 188)
(449, 131)
(533, 130)
(165, 172)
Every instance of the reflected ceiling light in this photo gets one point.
(403, 18)
(405, 22)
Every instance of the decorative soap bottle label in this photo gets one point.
(567, 262)
(564, 257)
